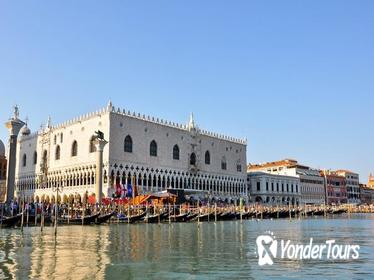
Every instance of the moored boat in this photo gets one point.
(86, 220)
(11, 221)
(154, 218)
(132, 219)
(204, 217)
(179, 218)
(104, 218)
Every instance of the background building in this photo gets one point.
(3, 168)
(352, 182)
(367, 194)
(371, 181)
(312, 189)
(148, 152)
(335, 188)
(273, 189)
(367, 191)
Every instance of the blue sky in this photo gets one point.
(294, 77)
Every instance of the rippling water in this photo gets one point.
(225, 250)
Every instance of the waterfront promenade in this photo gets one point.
(39, 214)
(222, 250)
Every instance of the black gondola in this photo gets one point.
(225, 216)
(11, 221)
(104, 218)
(133, 219)
(204, 217)
(337, 211)
(179, 218)
(191, 216)
(151, 219)
(86, 220)
(318, 213)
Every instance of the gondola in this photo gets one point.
(337, 211)
(151, 219)
(86, 220)
(179, 218)
(225, 216)
(204, 217)
(165, 216)
(104, 218)
(318, 213)
(11, 221)
(132, 219)
(246, 215)
(191, 216)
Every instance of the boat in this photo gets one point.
(246, 215)
(318, 213)
(337, 211)
(191, 216)
(225, 216)
(11, 221)
(179, 218)
(204, 217)
(154, 218)
(104, 218)
(132, 219)
(86, 220)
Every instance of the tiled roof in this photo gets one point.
(284, 162)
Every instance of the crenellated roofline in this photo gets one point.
(111, 109)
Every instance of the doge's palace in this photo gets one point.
(152, 153)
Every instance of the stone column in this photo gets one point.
(13, 125)
(100, 144)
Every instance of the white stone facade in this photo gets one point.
(206, 163)
(275, 190)
(312, 187)
(312, 184)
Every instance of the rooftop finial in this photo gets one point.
(110, 105)
(191, 123)
(49, 122)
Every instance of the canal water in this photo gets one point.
(225, 250)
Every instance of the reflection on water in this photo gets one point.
(184, 251)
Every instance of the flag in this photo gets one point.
(123, 191)
(129, 190)
(118, 190)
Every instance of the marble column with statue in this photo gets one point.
(14, 125)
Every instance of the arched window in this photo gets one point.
(24, 160)
(92, 145)
(153, 149)
(74, 149)
(176, 152)
(128, 144)
(57, 153)
(35, 157)
(193, 159)
(238, 166)
(207, 157)
(223, 164)
(61, 138)
(55, 140)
